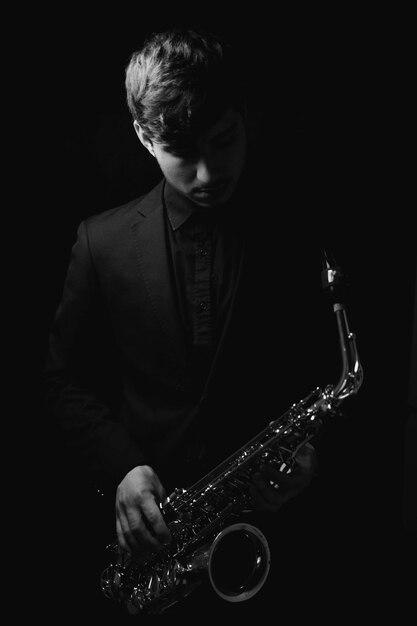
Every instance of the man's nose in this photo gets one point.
(206, 171)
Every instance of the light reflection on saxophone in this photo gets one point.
(204, 519)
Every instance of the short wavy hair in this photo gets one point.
(180, 82)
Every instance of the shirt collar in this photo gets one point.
(179, 208)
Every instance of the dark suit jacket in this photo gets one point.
(117, 377)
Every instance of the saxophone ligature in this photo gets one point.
(205, 520)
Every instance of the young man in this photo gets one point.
(160, 353)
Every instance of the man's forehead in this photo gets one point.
(223, 124)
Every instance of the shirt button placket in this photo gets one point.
(202, 291)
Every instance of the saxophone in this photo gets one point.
(205, 519)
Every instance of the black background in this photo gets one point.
(335, 99)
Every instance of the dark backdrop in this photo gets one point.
(334, 94)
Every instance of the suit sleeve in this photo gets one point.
(75, 371)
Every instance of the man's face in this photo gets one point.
(209, 173)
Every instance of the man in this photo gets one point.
(160, 353)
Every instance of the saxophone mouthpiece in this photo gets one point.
(333, 280)
(328, 260)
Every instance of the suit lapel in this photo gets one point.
(152, 252)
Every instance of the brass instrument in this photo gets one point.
(203, 519)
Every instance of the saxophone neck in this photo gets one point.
(335, 284)
(352, 373)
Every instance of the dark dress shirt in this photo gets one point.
(205, 248)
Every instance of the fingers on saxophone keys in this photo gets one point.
(133, 535)
(264, 480)
(264, 496)
(123, 545)
(275, 477)
(295, 481)
(264, 483)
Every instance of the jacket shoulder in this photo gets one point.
(109, 232)
(121, 216)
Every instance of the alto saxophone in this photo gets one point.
(203, 518)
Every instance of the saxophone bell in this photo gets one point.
(238, 562)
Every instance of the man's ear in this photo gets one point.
(143, 137)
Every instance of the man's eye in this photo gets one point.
(184, 153)
(225, 140)
(187, 154)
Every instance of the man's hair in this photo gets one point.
(180, 82)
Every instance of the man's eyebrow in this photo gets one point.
(226, 130)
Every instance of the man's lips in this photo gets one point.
(210, 190)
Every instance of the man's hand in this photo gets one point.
(140, 525)
(272, 488)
